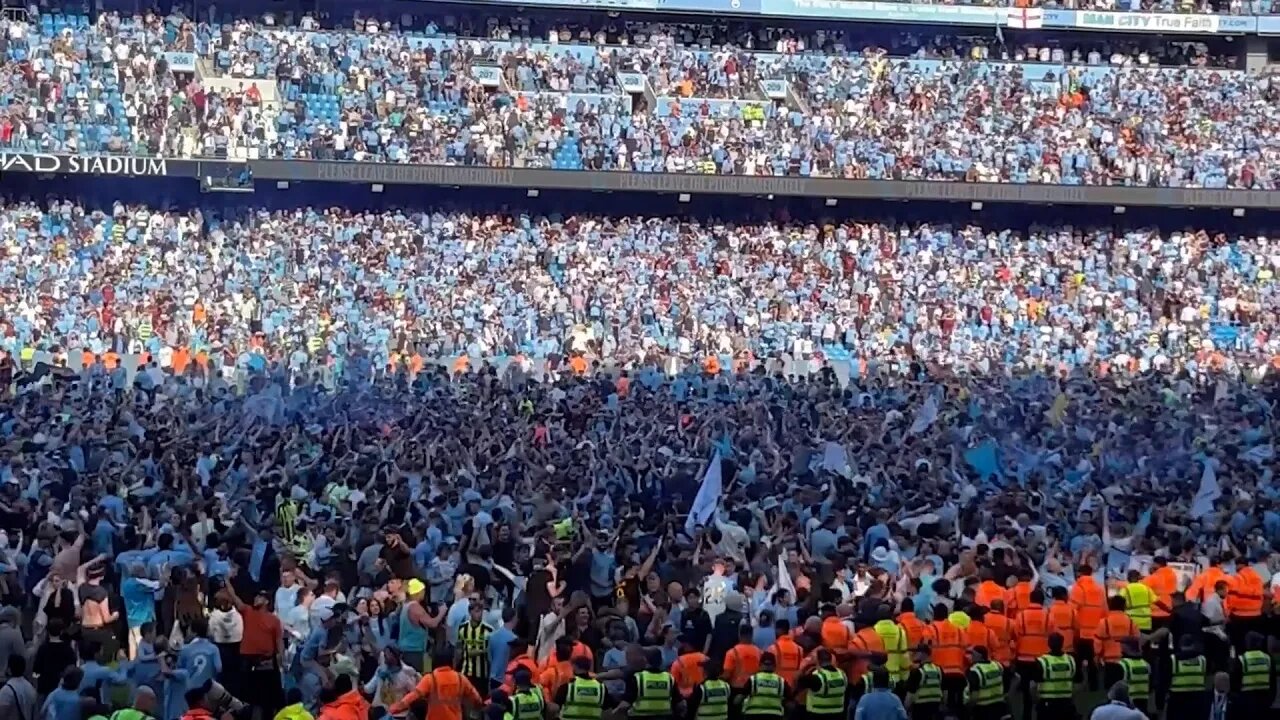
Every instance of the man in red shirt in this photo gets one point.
(262, 651)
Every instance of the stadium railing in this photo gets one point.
(633, 182)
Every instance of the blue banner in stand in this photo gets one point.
(1269, 26)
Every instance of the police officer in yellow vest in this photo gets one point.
(766, 693)
(895, 645)
(1252, 677)
(583, 697)
(1187, 683)
(710, 699)
(923, 686)
(1055, 678)
(826, 688)
(527, 702)
(986, 687)
(652, 692)
(1136, 674)
(1138, 601)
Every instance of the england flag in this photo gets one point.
(1026, 18)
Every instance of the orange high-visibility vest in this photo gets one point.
(914, 627)
(865, 641)
(1116, 626)
(1017, 599)
(555, 676)
(1202, 586)
(979, 635)
(1063, 620)
(1031, 633)
(948, 647)
(1090, 602)
(688, 673)
(1163, 582)
(986, 592)
(1002, 627)
(836, 636)
(508, 675)
(740, 663)
(789, 656)
(1244, 600)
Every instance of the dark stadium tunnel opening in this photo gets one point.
(181, 194)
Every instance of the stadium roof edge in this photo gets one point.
(939, 14)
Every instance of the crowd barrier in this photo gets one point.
(841, 364)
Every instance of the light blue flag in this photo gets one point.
(1144, 521)
(1208, 492)
(985, 460)
(724, 446)
(975, 410)
(708, 497)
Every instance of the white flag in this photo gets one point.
(836, 459)
(784, 576)
(1026, 18)
(1208, 492)
(927, 415)
(708, 497)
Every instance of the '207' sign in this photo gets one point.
(83, 164)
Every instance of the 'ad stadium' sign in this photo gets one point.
(83, 164)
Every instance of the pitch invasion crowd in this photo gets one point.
(430, 543)
(382, 95)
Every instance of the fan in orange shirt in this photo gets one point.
(447, 692)
(743, 660)
(559, 668)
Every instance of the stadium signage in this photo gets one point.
(181, 61)
(1148, 22)
(83, 164)
(487, 76)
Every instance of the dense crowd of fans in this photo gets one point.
(440, 464)
(853, 111)
(310, 287)
(424, 542)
